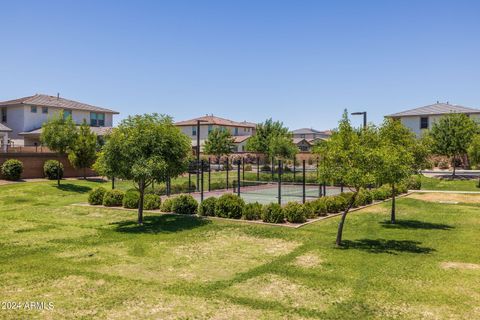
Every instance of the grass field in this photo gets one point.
(446, 184)
(97, 263)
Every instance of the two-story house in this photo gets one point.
(421, 119)
(305, 138)
(240, 131)
(25, 116)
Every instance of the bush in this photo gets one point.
(152, 202)
(95, 197)
(294, 212)
(335, 204)
(414, 183)
(131, 199)
(364, 197)
(184, 204)
(229, 206)
(159, 190)
(272, 213)
(113, 198)
(12, 169)
(265, 167)
(248, 167)
(252, 211)
(167, 205)
(381, 193)
(50, 169)
(319, 207)
(443, 164)
(207, 207)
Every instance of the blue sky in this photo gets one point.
(301, 62)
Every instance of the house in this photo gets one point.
(199, 128)
(4, 131)
(306, 138)
(420, 119)
(25, 116)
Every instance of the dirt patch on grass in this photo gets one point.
(308, 260)
(460, 266)
(447, 198)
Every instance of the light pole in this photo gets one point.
(198, 153)
(364, 113)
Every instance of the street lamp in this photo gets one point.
(198, 152)
(364, 113)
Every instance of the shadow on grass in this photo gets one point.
(415, 224)
(73, 188)
(386, 246)
(162, 223)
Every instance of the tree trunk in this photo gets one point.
(453, 165)
(140, 203)
(58, 173)
(113, 182)
(84, 173)
(342, 220)
(392, 218)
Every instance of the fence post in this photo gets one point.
(168, 186)
(113, 182)
(303, 182)
(227, 172)
(279, 182)
(189, 182)
(201, 181)
(238, 178)
(294, 168)
(272, 169)
(209, 173)
(243, 168)
(258, 168)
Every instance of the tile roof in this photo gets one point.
(100, 131)
(4, 128)
(211, 119)
(435, 109)
(240, 139)
(311, 131)
(58, 102)
(298, 140)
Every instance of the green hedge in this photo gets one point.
(167, 205)
(207, 207)
(131, 199)
(184, 204)
(252, 211)
(95, 196)
(294, 212)
(229, 206)
(113, 198)
(12, 169)
(273, 213)
(51, 168)
(152, 202)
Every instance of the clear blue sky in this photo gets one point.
(301, 62)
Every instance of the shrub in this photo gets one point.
(294, 212)
(443, 164)
(265, 167)
(95, 197)
(252, 211)
(184, 204)
(381, 193)
(131, 199)
(401, 188)
(167, 205)
(414, 182)
(248, 167)
(364, 197)
(159, 190)
(272, 213)
(207, 207)
(229, 206)
(50, 169)
(12, 169)
(319, 207)
(152, 202)
(113, 198)
(335, 204)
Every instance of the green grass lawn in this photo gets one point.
(97, 263)
(446, 184)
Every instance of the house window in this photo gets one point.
(194, 130)
(302, 136)
(4, 114)
(33, 109)
(97, 119)
(67, 113)
(424, 123)
(210, 128)
(45, 110)
(236, 131)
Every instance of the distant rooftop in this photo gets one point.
(211, 119)
(55, 101)
(311, 131)
(4, 128)
(438, 108)
(99, 131)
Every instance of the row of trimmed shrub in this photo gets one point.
(118, 198)
(12, 169)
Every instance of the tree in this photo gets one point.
(59, 134)
(349, 156)
(473, 152)
(451, 136)
(219, 142)
(83, 153)
(282, 147)
(396, 156)
(144, 149)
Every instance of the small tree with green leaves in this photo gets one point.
(219, 142)
(144, 149)
(451, 136)
(83, 153)
(350, 156)
(473, 152)
(59, 134)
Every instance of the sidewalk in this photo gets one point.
(5, 182)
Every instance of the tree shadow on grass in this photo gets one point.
(386, 246)
(73, 188)
(164, 223)
(415, 224)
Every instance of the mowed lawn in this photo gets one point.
(429, 183)
(96, 263)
